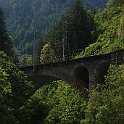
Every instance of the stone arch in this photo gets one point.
(101, 71)
(81, 75)
(40, 80)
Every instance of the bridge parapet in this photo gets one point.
(90, 70)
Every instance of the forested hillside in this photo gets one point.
(85, 33)
(23, 17)
(93, 33)
(109, 30)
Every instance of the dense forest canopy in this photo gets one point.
(73, 30)
(109, 30)
(57, 102)
(5, 39)
(25, 16)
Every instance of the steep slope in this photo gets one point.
(110, 31)
(24, 16)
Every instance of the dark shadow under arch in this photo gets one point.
(81, 74)
(101, 71)
(40, 80)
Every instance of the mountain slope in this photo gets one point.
(24, 16)
(110, 30)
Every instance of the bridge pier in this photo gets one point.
(92, 83)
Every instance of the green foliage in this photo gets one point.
(5, 39)
(54, 103)
(58, 102)
(33, 112)
(20, 87)
(5, 94)
(115, 3)
(23, 16)
(106, 103)
(73, 30)
(47, 54)
(25, 60)
(14, 90)
(110, 30)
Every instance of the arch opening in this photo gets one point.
(40, 80)
(81, 75)
(101, 71)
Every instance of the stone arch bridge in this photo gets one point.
(83, 74)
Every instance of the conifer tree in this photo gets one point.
(79, 27)
(72, 31)
(5, 39)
